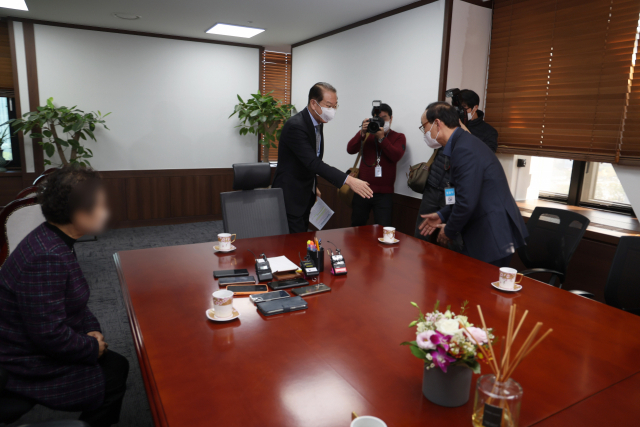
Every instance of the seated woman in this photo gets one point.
(50, 342)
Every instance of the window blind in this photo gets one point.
(559, 76)
(276, 76)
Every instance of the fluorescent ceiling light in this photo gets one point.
(234, 30)
(14, 4)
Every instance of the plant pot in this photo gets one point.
(448, 389)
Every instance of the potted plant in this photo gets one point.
(262, 115)
(75, 125)
(449, 346)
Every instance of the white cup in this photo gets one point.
(226, 240)
(368, 421)
(389, 234)
(223, 303)
(508, 278)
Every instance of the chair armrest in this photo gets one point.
(584, 294)
(553, 273)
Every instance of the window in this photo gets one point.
(578, 183)
(9, 146)
(275, 77)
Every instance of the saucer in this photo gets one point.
(216, 248)
(497, 286)
(211, 315)
(381, 240)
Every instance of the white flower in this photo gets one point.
(448, 314)
(448, 326)
(429, 357)
(422, 327)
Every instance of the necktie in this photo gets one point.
(318, 140)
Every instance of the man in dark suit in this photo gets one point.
(300, 153)
(480, 206)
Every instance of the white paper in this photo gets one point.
(320, 214)
(281, 263)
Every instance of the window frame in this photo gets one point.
(577, 190)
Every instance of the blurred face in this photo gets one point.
(384, 115)
(95, 220)
(329, 100)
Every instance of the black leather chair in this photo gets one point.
(554, 235)
(623, 284)
(12, 407)
(255, 210)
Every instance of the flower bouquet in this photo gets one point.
(448, 344)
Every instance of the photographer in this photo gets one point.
(469, 101)
(381, 151)
(466, 105)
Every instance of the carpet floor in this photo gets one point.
(96, 260)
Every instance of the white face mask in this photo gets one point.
(470, 115)
(431, 142)
(327, 113)
(387, 126)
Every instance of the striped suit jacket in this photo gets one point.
(44, 321)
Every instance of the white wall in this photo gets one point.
(405, 77)
(469, 48)
(169, 99)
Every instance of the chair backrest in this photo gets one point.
(31, 191)
(554, 235)
(42, 177)
(623, 285)
(20, 218)
(253, 211)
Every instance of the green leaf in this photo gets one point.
(254, 113)
(50, 103)
(36, 135)
(414, 304)
(47, 133)
(49, 149)
(240, 99)
(47, 162)
(418, 352)
(412, 324)
(61, 142)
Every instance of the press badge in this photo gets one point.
(378, 171)
(450, 196)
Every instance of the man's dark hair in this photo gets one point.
(317, 91)
(66, 191)
(445, 112)
(386, 108)
(469, 98)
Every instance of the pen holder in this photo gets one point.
(317, 258)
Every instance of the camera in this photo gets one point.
(454, 94)
(376, 122)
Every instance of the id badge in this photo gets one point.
(450, 195)
(378, 171)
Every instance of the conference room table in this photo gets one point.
(343, 354)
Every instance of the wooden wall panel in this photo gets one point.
(191, 196)
(148, 197)
(117, 193)
(6, 64)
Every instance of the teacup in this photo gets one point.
(226, 240)
(223, 303)
(368, 421)
(508, 278)
(389, 234)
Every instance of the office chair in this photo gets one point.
(18, 219)
(13, 406)
(623, 284)
(554, 235)
(254, 210)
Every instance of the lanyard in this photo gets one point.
(378, 152)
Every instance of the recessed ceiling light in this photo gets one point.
(127, 16)
(14, 4)
(234, 30)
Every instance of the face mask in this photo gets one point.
(470, 115)
(327, 113)
(431, 142)
(387, 126)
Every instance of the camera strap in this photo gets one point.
(355, 165)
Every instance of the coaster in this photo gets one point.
(497, 286)
(212, 316)
(381, 240)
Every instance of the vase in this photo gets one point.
(497, 404)
(450, 389)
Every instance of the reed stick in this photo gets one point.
(484, 325)
(522, 351)
(505, 356)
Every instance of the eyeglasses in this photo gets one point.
(423, 129)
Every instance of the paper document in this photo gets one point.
(281, 263)
(320, 214)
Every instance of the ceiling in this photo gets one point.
(286, 21)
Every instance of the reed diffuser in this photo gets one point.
(498, 396)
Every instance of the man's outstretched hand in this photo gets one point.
(360, 187)
(430, 223)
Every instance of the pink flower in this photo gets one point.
(424, 340)
(478, 335)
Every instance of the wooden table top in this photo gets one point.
(343, 354)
